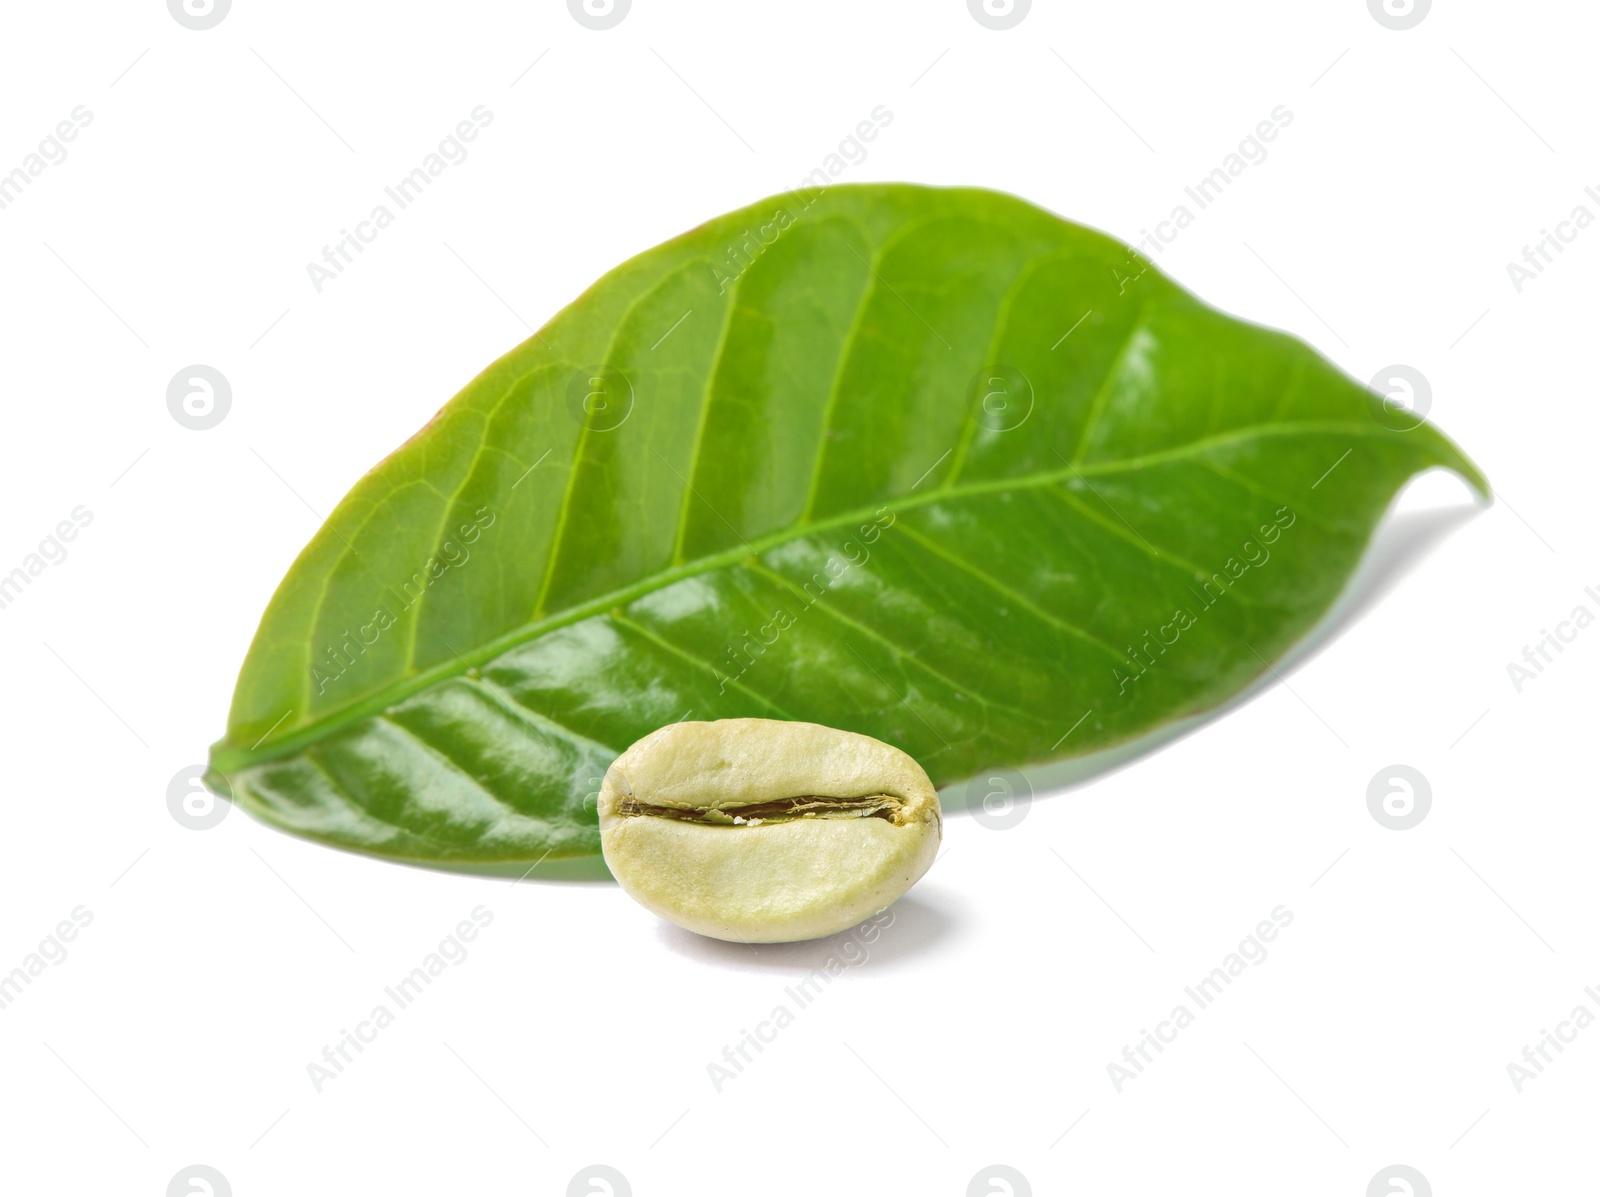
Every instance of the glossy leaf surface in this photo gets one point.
(931, 465)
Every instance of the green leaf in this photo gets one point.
(932, 465)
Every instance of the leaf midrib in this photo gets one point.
(228, 758)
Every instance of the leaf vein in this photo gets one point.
(1149, 550)
(846, 347)
(1113, 374)
(700, 422)
(898, 651)
(558, 537)
(699, 662)
(1014, 595)
(969, 427)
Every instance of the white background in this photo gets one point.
(219, 963)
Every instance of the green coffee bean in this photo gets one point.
(765, 831)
